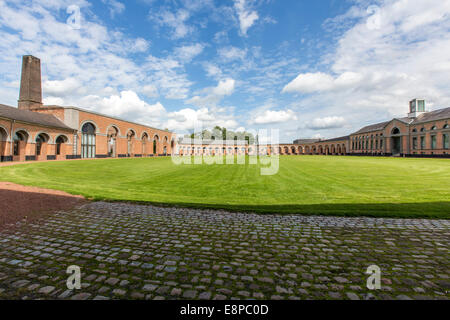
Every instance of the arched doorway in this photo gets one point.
(144, 143)
(3, 143)
(130, 143)
(155, 145)
(112, 134)
(20, 140)
(88, 141)
(41, 144)
(396, 142)
(60, 151)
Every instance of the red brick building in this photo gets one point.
(37, 132)
(420, 134)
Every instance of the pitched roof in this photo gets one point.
(336, 139)
(305, 141)
(37, 118)
(373, 127)
(433, 116)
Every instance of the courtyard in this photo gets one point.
(132, 251)
(308, 185)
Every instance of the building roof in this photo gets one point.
(102, 115)
(433, 116)
(305, 141)
(46, 120)
(336, 139)
(225, 143)
(373, 127)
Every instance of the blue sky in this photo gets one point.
(308, 68)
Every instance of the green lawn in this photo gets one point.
(348, 186)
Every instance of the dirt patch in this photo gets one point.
(21, 203)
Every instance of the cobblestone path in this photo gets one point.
(129, 251)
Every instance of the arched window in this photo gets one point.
(112, 134)
(396, 131)
(40, 140)
(422, 130)
(60, 141)
(414, 130)
(130, 139)
(433, 128)
(144, 143)
(445, 126)
(155, 144)
(88, 141)
(17, 139)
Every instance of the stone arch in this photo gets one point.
(60, 142)
(3, 142)
(20, 140)
(97, 128)
(41, 142)
(144, 142)
(131, 136)
(115, 127)
(4, 136)
(26, 132)
(155, 144)
(88, 139)
(112, 134)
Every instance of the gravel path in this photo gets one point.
(129, 251)
(19, 203)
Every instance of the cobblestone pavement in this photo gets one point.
(129, 251)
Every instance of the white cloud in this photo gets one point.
(176, 21)
(225, 87)
(214, 95)
(140, 45)
(189, 119)
(61, 88)
(387, 56)
(272, 117)
(187, 53)
(53, 101)
(320, 82)
(212, 70)
(326, 123)
(247, 17)
(150, 91)
(115, 7)
(232, 53)
(127, 105)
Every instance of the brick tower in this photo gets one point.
(30, 84)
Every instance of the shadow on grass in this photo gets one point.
(439, 210)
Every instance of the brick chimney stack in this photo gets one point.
(30, 84)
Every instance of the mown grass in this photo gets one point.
(348, 186)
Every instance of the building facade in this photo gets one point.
(420, 134)
(34, 131)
